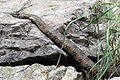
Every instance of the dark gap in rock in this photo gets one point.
(46, 60)
(50, 60)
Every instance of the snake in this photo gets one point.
(55, 36)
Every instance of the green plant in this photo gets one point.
(109, 45)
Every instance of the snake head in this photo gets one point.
(14, 14)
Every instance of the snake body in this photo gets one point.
(69, 46)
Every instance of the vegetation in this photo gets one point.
(109, 45)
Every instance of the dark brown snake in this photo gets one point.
(69, 47)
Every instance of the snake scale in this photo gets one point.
(69, 47)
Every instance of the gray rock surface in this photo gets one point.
(20, 39)
(53, 12)
(115, 78)
(39, 72)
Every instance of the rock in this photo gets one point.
(115, 78)
(53, 12)
(39, 72)
(22, 41)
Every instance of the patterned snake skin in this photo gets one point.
(69, 46)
